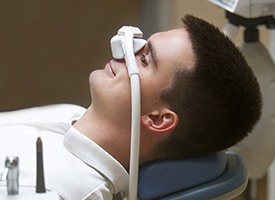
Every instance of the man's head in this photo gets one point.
(198, 94)
(157, 62)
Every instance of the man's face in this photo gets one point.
(110, 87)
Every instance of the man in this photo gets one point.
(198, 96)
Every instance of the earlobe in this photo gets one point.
(164, 122)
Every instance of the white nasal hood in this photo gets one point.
(118, 43)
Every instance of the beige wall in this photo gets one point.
(49, 47)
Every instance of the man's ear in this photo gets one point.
(164, 121)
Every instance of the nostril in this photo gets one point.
(120, 60)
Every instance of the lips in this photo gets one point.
(110, 68)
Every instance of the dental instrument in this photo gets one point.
(11, 174)
(124, 45)
(40, 182)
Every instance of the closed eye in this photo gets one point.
(143, 59)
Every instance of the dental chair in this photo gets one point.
(218, 176)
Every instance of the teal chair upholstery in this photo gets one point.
(218, 176)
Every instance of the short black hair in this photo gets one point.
(218, 100)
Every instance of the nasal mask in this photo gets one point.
(127, 41)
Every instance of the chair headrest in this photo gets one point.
(160, 178)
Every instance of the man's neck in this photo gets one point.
(112, 138)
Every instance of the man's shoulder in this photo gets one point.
(46, 113)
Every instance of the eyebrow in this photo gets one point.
(153, 53)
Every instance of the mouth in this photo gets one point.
(110, 68)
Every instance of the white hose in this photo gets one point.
(135, 137)
(124, 45)
(135, 128)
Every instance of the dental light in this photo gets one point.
(251, 14)
(124, 45)
(247, 8)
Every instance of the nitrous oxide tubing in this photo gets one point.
(135, 128)
(125, 45)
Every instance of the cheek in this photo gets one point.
(149, 94)
(151, 87)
